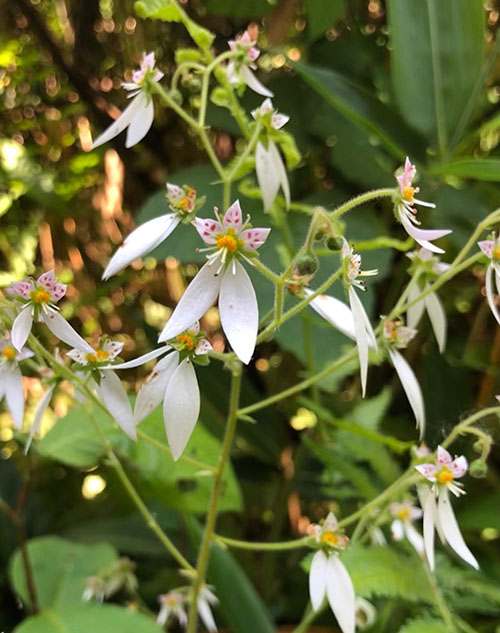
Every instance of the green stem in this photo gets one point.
(208, 534)
(308, 618)
(361, 199)
(246, 152)
(262, 546)
(471, 419)
(439, 600)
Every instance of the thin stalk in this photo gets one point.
(386, 192)
(308, 618)
(439, 600)
(262, 546)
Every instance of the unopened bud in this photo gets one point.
(478, 469)
(176, 96)
(306, 264)
(334, 243)
(194, 85)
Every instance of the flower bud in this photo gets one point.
(194, 85)
(478, 469)
(306, 264)
(176, 96)
(334, 243)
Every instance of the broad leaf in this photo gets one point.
(473, 168)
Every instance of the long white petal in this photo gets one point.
(415, 538)
(361, 336)
(64, 331)
(451, 530)
(120, 124)
(415, 312)
(181, 407)
(117, 403)
(12, 387)
(239, 312)
(336, 312)
(21, 327)
(429, 507)
(490, 294)
(317, 579)
(252, 82)
(423, 236)
(141, 121)
(140, 360)
(280, 168)
(206, 614)
(437, 316)
(142, 240)
(196, 300)
(411, 388)
(267, 175)
(340, 593)
(153, 390)
(37, 418)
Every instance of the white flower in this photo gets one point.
(38, 298)
(223, 276)
(238, 70)
(336, 312)
(173, 381)
(407, 213)
(328, 576)
(431, 302)
(405, 514)
(11, 379)
(397, 336)
(439, 515)
(269, 167)
(149, 235)
(38, 417)
(172, 606)
(138, 115)
(206, 597)
(491, 248)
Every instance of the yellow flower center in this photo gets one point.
(444, 476)
(40, 295)
(187, 340)
(408, 193)
(229, 241)
(496, 253)
(330, 539)
(98, 357)
(9, 353)
(403, 514)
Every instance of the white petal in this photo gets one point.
(37, 418)
(423, 236)
(119, 125)
(451, 530)
(181, 407)
(267, 175)
(117, 403)
(361, 336)
(280, 169)
(317, 579)
(206, 615)
(21, 327)
(252, 82)
(341, 596)
(336, 312)
(415, 312)
(429, 507)
(153, 390)
(140, 360)
(141, 121)
(196, 300)
(397, 530)
(12, 387)
(64, 331)
(239, 312)
(490, 293)
(415, 538)
(411, 388)
(437, 315)
(142, 240)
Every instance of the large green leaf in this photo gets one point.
(321, 14)
(60, 569)
(437, 57)
(473, 168)
(103, 618)
(240, 605)
(364, 109)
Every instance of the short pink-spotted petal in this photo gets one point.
(58, 292)
(254, 238)
(23, 288)
(47, 280)
(233, 217)
(487, 247)
(443, 457)
(428, 471)
(113, 348)
(195, 328)
(203, 347)
(208, 229)
(459, 467)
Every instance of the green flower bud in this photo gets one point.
(176, 96)
(478, 469)
(306, 264)
(334, 243)
(194, 85)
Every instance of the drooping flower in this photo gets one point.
(138, 115)
(365, 337)
(173, 382)
(335, 311)
(39, 300)
(239, 69)
(430, 269)
(329, 577)
(223, 276)
(147, 236)
(405, 513)
(397, 336)
(172, 607)
(206, 598)
(436, 504)
(11, 379)
(110, 388)
(269, 166)
(404, 199)
(491, 248)
(40, 410)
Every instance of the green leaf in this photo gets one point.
(60, 569)
(424, 625)
(437, 57)
(481, 512)
(229, 8)
(91, 618)
(364, 109)
(241, 607)
(321, 15)
(474, 168)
